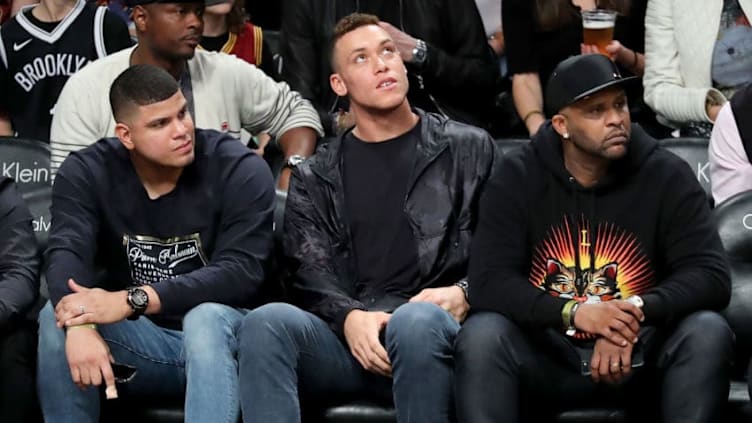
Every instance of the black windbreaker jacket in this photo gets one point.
(453, 162)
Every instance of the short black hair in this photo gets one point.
(346, 25)
(140, 85)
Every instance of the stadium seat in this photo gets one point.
(734, 220)
(695, 152)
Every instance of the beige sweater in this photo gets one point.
(228, 95)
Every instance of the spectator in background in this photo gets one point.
(4, 11)
(40, 49)
(730, 149)
(697, 55)
(226, 29)
(451, 68)
(541, 33)
(490, 13)
(19, 287)
(264, 13)
(223, 92)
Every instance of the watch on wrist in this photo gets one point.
(420, 53)
(636, 300)
(294, 160)
(138, 299)
(463, 285)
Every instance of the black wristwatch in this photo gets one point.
(138, 299)
(294, 160)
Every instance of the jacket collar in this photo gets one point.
(327, 163)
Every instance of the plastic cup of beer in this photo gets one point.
(598, 28)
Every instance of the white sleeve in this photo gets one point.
(665, 91)
(74, 121)
(266, 105)
(730, 169)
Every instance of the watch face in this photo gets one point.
(295, 160)
(139, 298)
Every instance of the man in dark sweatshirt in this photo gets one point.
(160, 226)
(19, 287)
(596, 271)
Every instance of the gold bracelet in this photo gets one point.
(82, 325)
(566, 314)
(530, 113)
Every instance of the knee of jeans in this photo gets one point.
(51, 338)
(418, 323)
(485, 334)
(707, 334)
(210, 325)
(266, 323)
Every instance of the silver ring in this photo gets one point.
(82, 309)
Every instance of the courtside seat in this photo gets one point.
(28, 163)
(694, 151)
(734, 220)
(505, 145)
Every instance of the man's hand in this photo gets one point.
(610, 363)
(91, 305)
(89, 359)
(450, 298)
(617, 320)
(404, 42)
(362, 335)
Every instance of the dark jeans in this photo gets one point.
(502, 373)
(286, 352)
(18, 347)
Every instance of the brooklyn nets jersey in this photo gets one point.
(36, 59)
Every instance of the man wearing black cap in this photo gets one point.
(224, 93)
(593, 271)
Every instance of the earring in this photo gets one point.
(566, 135)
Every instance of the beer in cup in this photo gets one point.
(598, 28)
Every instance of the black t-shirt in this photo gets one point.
(214, 43)
(375, 180)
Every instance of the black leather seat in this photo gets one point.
(734, 219)
(505, 145)
(695, 152)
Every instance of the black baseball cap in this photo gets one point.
(580, 76)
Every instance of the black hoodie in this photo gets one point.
(648, 222)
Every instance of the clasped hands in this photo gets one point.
(617, 325)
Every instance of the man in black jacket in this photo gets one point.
(19, 286)
(378, 226)
(595, 254)
(452, 69)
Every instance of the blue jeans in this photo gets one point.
(199, 361)
(284, 349)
